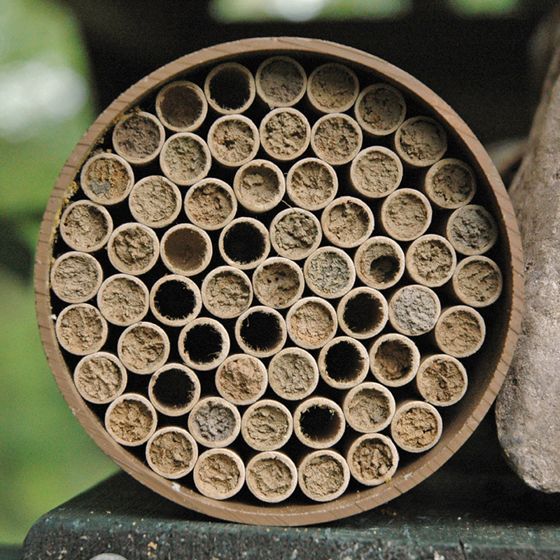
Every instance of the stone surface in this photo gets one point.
(528, 407)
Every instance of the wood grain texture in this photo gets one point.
(472, 409)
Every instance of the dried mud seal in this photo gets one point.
(311, 322)
(373, 459)
(281, 81)
(477, 281)
(380, 109)
(143, 347)
(133, 248)
(332, 88)
(441, 380)
(100, 378)
(138, 137)
(323, 475)
(431, 260)
(347, 222)
(416, 426)
(376, 172)
(369, 407)
(210, 204)
(214, 422)
(311, 183)
(394, 359)
(295, 233)
(460, 331)
(241, 379)
(293, 374)
(81, 329)
(472, 230)
(414, 310)
(271, 476)
(329, 272)
(421, 141)
(379, 262)
(123, 299)
(266, 425)
(155, 201)
(226, 292)
(106, 178)
(131, 419)
(171, 452)
(233, 140)
(285, 134)
(219, 474)
(85, 226)
(278, 282)
(259, 185)
(450, 183)
(336, 138)
(185, 158)
(406, 214)
(76, 277)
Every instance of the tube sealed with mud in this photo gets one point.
(323, 475)
(416, 426)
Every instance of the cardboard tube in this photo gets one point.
(155, 201)
(278, 282)
(175, 300)
(186, 249)
(100, 378)
(210, 204)
(477, 281)
(311, 183)
(214, 422)
(471, 230)
(138, 137)
(174, 389)
(203, 344)
(106, 178)
(441, 380)
(230, 88)
(226, 292)
(123, 299)
(460, 331)
(414, 310)
(336, 138)
(293, 374)
(285, 134)
(219, 474)
(131, 419)
(233, 140)
(376, 172)
(431, 260)
(281, 81)
(241, 379)
(420, 141)
(380, 109)
(406, 214)
(373, 459)
(319, 423)
(85, 226)
(450, 183)
(311, 322)
(259, 185)
(261, 331)
(323, 475)
(81, 329)
(133, 248)
(244, 243)
(362, 312)
(171, 452)
(347, 222)
(266, 425)
(143, 347)
(271, 476)
(295, 233)
(185, 158)
(416, 426)
(332, 88)
(368, 407)
(394, 359)
(379, 262)
(343, 362)
(76, 277)
(181, 106)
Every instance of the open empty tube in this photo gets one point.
(394, 359)
(373, 459)
(214, 422)
(420, 141)
(259, 185)
(460, 331)
(81, 329)
(329, 272)
(185, 158)
(293, 374)
(347, 222)
(123, 299)
(186, 249)
(311, 322)
(323, 475)
(319, 423)
(241, 379)
(431, 260)
(472, 230)
(332, 88)
(336, 138)
(174, 389)
(376, 172)
(106, 178)
(230, 88)
(414, 310)
(244, 243)
(226, 292)
(477, 281)
(219, 474)
(210, 204)
(233, 140)
(143, 347)
(138, 137)
(181, 106)
(76, 277)
(271, 476)
(171, 452)
(85, 226)
(131, 419)
(311, 183)
(295, 233)
(280, 81)
(278, 282)
(450, 183)
(261, 331)
(175, 300)
(343, 362)
(379, 262)
(203, 344)
(416, 426)
(133, 248)
(441, 380)
(100, 378)
(362, 312)
(380, 109)
(369, 407)
(406, 214)
(266, 425)
(285, 134)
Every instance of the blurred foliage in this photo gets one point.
(45, 456)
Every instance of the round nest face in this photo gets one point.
(272, 319)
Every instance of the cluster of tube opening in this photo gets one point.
(283, 303)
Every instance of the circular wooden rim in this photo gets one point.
(408, 476)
